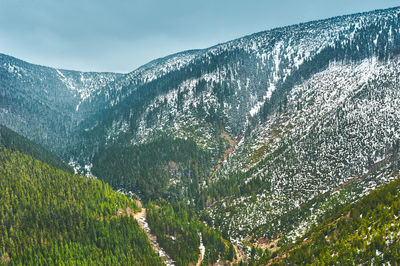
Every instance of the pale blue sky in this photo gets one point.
(121, 35)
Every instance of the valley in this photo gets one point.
(280, 147)
(141, 219)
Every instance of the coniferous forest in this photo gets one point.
(49, 216)
(277, 148)
(15, 142)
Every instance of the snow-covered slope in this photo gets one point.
(242, 80)
(335, 127)
(43, 103)
(310, 106)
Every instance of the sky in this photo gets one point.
(121, 35)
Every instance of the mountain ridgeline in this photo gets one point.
(260, 137)
(12, 141)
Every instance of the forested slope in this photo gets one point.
(15, 142)
(165, 168)
(259, 138)
(48, 216)
(181, 234)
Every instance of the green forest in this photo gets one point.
(149, 168)
(15, 142)
(178, 232)
(49, 216)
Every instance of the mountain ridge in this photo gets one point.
(311, 106)
(381, 10)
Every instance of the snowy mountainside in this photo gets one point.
(335, 127)
(235, 87)
(235, 81)
(153, 70)
(249, 131)
(86, 85)
(43, 103)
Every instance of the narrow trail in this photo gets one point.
(141, 219)
(202, 251)
(239, 255)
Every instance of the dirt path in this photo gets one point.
(202, 249)
(141, 219)
(239, 255)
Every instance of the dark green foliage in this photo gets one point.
(217, 248)
(51, 217)
(148, 169)
(48, 216)
(234, 186)
(362, 233)
(12, 141)
(177, 231)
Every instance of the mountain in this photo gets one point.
(259, 137)
(365, 232)
(12, 141)
(336, 127)
(49, 216)
(46, 104)
(232, 82)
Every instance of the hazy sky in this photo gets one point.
(121, 35)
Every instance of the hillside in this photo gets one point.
(366, 232)
(250, 142)
(311, 107)
(49, 216)
(334, 128)
(45, 104)
(15, 142)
